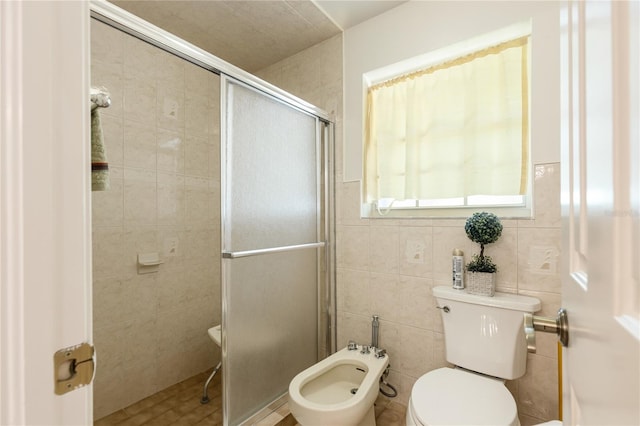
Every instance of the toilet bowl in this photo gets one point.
(339, 390)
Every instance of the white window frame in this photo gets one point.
(402, 209)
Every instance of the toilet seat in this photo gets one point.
(456, 397)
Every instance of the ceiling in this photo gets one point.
(347, 13)
(257, 33)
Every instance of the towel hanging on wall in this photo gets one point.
(100, 98)
(99, 166)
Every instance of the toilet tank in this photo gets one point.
(485, 334)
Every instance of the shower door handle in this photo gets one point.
(247, 253)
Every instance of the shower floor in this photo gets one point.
(179, 405)
(176, 405)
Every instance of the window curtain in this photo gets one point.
(451, 130)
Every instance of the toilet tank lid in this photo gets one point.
(514, 302)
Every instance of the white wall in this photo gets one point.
(419, 27)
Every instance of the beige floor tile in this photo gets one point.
(179, 405)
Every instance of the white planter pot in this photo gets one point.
(481, 283)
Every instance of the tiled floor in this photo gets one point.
(179, 405)
(176, 405)
(389, 413)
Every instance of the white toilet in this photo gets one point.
(339, 390)
(484, 339)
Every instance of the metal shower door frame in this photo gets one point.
(324, 244)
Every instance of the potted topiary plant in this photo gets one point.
(482, 228)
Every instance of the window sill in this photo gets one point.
(369, 211)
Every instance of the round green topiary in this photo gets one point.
(483, 228)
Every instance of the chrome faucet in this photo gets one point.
(375, 325)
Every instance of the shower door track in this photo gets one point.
(129, 23)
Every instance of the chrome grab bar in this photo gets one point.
(247, 253)
(558, 325)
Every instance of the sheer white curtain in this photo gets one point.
(452, 130)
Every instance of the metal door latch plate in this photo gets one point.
(73, 368)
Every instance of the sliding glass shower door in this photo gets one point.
(273, 243)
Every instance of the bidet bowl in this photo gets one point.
(339, 390)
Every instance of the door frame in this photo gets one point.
(45, 206)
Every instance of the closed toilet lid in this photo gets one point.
(447, 396)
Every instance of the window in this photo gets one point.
(453, 134)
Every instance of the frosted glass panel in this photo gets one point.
(270, 200)
(271, 327)
(272, 167)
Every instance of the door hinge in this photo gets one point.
(73, 368)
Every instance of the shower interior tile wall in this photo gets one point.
(162, 140)
(388, 267)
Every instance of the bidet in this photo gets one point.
(339, 390)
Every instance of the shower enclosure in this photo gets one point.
(242, 217)
(273, 244)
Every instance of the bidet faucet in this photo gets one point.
(375, 325)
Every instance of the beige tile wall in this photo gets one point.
(162, 137)
(377, 275)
